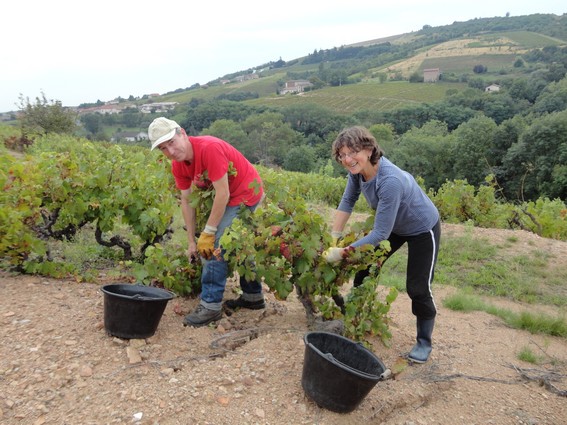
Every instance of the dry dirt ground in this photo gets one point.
(59, 366)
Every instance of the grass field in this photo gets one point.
(344, 100)
(530, 40)
(363, 96)
(265, 86)
(465, 64)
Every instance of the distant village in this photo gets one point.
(115, 107)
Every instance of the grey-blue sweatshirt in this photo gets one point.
(401, 206)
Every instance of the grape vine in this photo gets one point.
(126, 197)
(281, 244)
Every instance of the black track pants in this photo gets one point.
(422, 257)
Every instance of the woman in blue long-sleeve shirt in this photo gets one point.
(404, 214)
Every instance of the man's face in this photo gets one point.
(174, 148)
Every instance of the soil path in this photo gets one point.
(59, 366)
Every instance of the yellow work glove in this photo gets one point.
(337, 236)
(206, 242)
(333, 255)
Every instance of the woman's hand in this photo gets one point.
(333, 255)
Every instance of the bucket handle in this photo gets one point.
(143, 298)
(333, 359)
(387, 374)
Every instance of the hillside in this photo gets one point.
(400, 83)
(455, 49)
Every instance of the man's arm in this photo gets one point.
(189, 219)
(222, 195)
(206, 242)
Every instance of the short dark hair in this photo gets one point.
(357, 138)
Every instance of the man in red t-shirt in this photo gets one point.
(205, 161)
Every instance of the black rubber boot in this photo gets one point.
(420, 351)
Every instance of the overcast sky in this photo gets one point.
(79, 52)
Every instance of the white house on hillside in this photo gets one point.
(103, 110)
(130, 136)
(492, 87)
(148, 108)
(295, 86)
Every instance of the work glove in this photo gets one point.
(333, 255)
(337, 236)
(206, 242)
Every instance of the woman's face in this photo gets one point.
(355, 162)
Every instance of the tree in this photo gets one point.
(45, 116)
(473, 140)
(476, 83)
(404, 118)
(536, 84)
(204, 114)
(452, 114)
(505, 137)
(382, 77)
(480, 69)
(313, 119)
(337, 78)
(416, 77)
(519, 89)
(91, 122)
(317, 82)
(110, 119)
(426, 152)
(300, 158)
(555, 72)
(540, 158)
(230, 131)
(384, 135)
(553, 98)
(269, 138)
(498, 106)
(131, 119)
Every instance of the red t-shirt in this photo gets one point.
(211, 157)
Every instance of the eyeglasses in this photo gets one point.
(344, 156)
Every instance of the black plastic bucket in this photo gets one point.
(337, 372)
(133, 311)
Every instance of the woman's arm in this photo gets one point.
(340, 220)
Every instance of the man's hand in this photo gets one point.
(333, 255)
(206, 242)
(192, 253)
